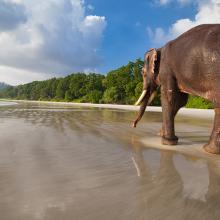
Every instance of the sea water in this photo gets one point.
(89, 164)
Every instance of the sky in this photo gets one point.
(43, 39)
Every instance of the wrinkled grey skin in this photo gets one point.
(189, 64)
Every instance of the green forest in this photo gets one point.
(120, 86)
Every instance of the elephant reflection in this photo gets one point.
(161, 195)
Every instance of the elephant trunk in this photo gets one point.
(146, 100)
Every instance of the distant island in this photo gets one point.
(3, 85)
(120, 86)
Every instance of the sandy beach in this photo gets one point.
(201, 113)
(55, 157)
(154, 142)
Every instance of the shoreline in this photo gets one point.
(200, 113)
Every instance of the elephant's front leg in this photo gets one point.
(214, 143)
(169, 108)
(180, 100)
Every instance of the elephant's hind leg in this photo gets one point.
(214, 143)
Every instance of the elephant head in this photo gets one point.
(150, 73)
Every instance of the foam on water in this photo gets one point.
(3, 103)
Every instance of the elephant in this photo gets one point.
(189, 64)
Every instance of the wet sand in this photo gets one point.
(198, 113)
(69, 162)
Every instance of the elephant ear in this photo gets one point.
(150, 59)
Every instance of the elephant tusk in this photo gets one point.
(141, 97)
(152, 97)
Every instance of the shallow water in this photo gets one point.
(88, 163)
(3, 103)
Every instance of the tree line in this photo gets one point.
(120, 86)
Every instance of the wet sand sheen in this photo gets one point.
(87, 163)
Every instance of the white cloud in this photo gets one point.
(15, 76)
(184, 2)
(158, 35)
(208, 12)
(90, 7)
(11, 15)
(54, 38)
(181, 2)
(164, 2)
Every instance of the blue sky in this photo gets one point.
(126, 36)
(42, 39)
